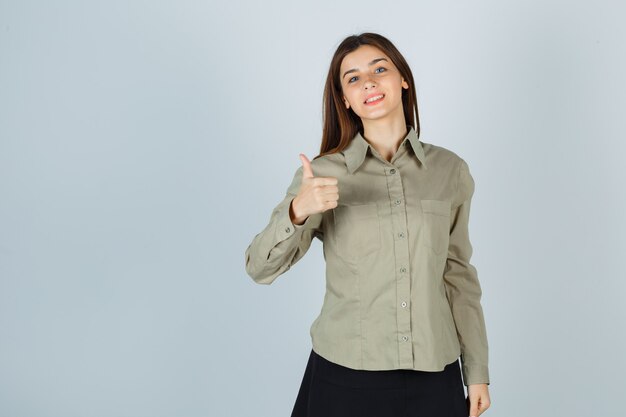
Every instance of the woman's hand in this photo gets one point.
(478, 399)
(316, 195)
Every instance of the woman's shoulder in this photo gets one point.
(439, 154)
(328, 163)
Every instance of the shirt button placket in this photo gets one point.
(401, 253)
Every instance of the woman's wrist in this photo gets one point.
(294, 215)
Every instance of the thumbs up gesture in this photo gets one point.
(316, 195)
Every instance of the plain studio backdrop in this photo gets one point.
(143, 144)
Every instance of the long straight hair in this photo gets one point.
(340, 125)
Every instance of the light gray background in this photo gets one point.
(143, 144)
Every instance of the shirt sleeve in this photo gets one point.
(281, 243)
(463, 288)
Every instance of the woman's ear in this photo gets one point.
(345, 101)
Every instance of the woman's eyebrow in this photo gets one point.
(370, 64)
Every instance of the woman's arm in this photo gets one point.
(282, 243)
(463, 288)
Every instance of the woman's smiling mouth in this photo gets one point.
(374, 99)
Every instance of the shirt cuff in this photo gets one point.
(286, 228)
(475, 374)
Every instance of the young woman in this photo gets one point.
(402, 299)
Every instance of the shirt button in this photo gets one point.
(405, 338)
(403, 304)
(288, 229)
(398, 201)
(401, 234)
(403, 269)
(392, 171)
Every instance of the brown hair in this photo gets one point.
(341, 124)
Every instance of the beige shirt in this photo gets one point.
(401, 292)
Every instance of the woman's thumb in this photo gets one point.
(307, 171)
(473, 408)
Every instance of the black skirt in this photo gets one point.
(332, 390)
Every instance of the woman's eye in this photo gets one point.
(383, 68)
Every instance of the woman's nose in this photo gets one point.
(368, 83)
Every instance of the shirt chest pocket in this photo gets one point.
(436, 225)
(357, 231)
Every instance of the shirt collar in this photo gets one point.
(357, 149)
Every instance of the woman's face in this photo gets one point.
(363, 74)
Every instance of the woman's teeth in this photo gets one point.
(374, 98)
